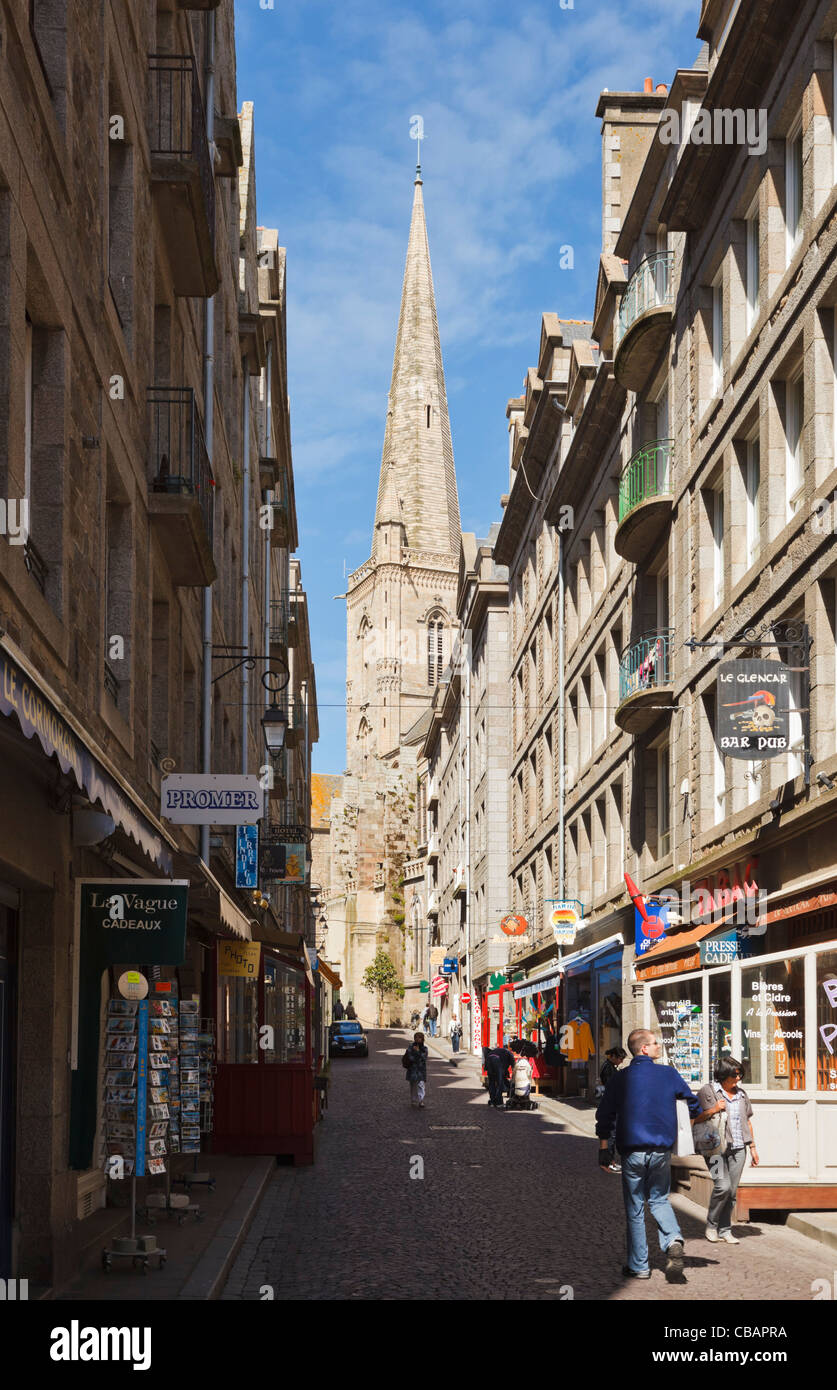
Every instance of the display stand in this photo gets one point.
(126, 1075)
(197, 1071)
(175, 1204)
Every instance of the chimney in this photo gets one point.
(661, 89)
(649, 84)
(629, 122)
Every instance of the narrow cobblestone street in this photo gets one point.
(525, 1209)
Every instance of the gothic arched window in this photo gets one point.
(363, 740)
(435, 649)
(365, 638)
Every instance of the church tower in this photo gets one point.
(401, 604)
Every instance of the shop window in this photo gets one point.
(238, 1019)
(610, 1008)
(827, 1021)
(284, 1012)
(773, 1025)
(679, 1021)
(720, 1018)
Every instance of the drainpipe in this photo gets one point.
(267, 426)
(209, 408)
(561, 758)
(245, 575)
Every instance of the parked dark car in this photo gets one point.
(347, 1039)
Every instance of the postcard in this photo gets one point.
(158, 1044)
(159, 1026)
(158, 1129)
(114, 1060)
(120, 1131)
(188, 1006)
(120, 1078)
(122, 1025)
(190, 1131)
(190, 1146)
(158, 1112)
(156, 1147)
(121, 1095)
(122, 1006)
(156, 1166)
(160, 1095)
(162, 1008)
(190, 1092)
(123, 1042)
(189, 1077)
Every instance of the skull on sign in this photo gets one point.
(763, 718)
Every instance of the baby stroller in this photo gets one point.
(521, 1079)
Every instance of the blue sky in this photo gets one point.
(512, 171)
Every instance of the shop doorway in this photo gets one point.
(8, 946)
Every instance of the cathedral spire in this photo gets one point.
(417, 485)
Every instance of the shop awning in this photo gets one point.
(582, 960)
(681, 941)
(232, 916)
(548, 980)
(330, 975)
(38, 716)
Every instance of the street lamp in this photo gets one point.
(274, 719)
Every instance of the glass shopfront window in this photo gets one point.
(720, 1017)
(610, 1008)
(284, 1012)
(773, 1025)
(827, 1021)
(679, 1020)
(238, 1032)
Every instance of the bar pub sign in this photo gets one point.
(753, 709)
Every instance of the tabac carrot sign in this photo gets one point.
(753, 708)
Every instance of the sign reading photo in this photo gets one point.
(753, 708)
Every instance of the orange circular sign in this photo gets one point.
(514, 924)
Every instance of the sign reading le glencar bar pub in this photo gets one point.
(753, 708)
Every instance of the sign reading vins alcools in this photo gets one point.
(753, 711)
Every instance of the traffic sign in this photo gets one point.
(465, 997)
(424, 986)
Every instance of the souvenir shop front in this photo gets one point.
(770, 1000)
(267, 1042)
(591, 1012)
(537, 1008)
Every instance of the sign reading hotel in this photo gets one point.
(211, 799)
(753, 709)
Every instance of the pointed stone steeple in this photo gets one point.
(417, 486)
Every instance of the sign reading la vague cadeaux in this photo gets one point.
(211, 798)
(753, 708)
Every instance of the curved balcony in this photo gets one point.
(645, 315)
(645, 500)
(645, 681)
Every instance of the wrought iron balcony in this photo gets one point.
(644, 322)
(645, 681)
(280, 516)
(181, 491)
(181, 171)
(645, 500)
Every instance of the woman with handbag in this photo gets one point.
(723, 1135)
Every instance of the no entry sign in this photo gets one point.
(465, 997)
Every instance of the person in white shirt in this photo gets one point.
(455, 1033)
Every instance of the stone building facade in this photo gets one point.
(143, 426)
(682, 456)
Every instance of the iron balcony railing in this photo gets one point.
(177, 122)
(647, 475)
(179, 461)
(646, 664)
(650, 287)
(279, 619)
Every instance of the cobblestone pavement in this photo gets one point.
(511, 1204)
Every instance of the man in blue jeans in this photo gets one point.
(642, 1100)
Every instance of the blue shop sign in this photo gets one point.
(647, 934)
(449, 966)
(247, 856)
(720, 950)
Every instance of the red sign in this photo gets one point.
(465, 997)
(514, 924)
(439, 985)
(719, 891)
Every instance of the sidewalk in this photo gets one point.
(199, 1253)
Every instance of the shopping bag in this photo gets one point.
(685, 1143)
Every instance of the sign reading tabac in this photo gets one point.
(753, 708)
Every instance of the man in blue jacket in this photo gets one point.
(642, 1100)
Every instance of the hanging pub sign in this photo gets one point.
(753, 708)
(564, 918)
(211, 798)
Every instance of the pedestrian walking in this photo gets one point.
(337, 1011)
(350, 1010)
(432, 1016)
(731, 1113)
(614, 1057)
(414, 1063)
(455, 1031)
(498, 1060)
(642, 1100)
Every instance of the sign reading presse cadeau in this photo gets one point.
(753, 708)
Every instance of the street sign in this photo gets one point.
(440, 985)
(211, 798)
(564, 919)
(514, 924)
(449, 966)
(247, 856)
(753, 709)
(465, 997)
(424, 986)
